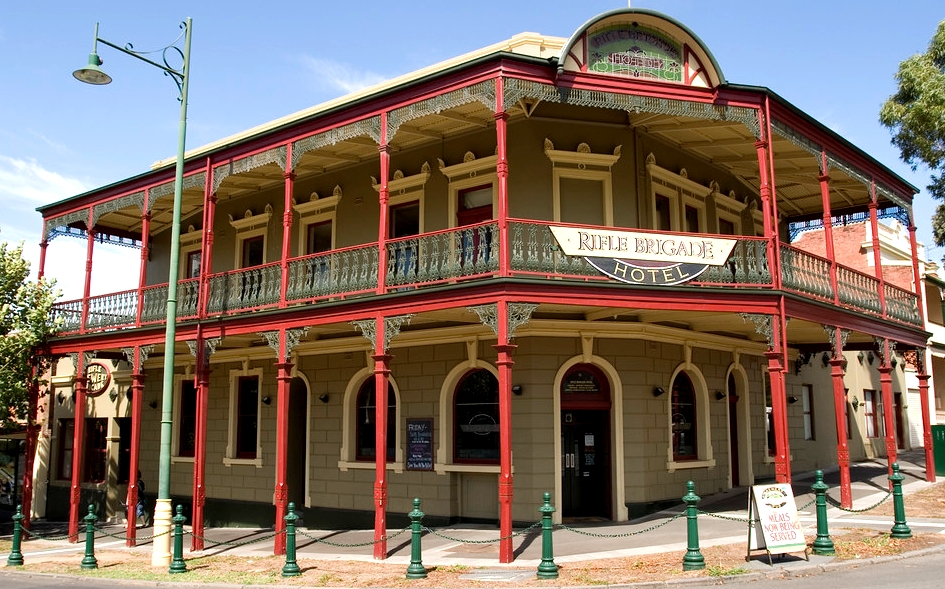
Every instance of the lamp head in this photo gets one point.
(92, 73)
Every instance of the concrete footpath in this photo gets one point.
(723, 520)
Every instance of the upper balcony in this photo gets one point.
(467, 254)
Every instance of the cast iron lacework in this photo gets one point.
(762, 325)
(487, 316)
(831, 332)
(833, 160)
(194, 180)
(145, 352)
(209, 343)
(392, 327)
(518, 89)
(134, 199)
(370, 127)
(483, 92)
(86, 359)
(881, 349)
(292, 337)
(519, 314)
(276, 155)
(55, 223)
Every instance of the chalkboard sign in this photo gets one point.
(420, 444)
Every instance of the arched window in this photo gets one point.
(476, 418)
(366, 432)
(684, 419)
(584, 386)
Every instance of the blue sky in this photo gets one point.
(253, 63)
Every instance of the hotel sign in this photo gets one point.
(652, 259)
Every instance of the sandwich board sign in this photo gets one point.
(773, 524)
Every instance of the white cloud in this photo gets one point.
(341, 76)
(26, 183)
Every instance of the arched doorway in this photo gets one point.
(296, 456)
(585, 443)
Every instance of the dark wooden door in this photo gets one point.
(585, 447)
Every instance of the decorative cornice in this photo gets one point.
(167, 189)
(483, 92)
(276, 155)
(392, 327)
(762, 325)
(370, 127)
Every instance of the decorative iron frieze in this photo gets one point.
(368, 329)
(488, 316)
(392, 327)
(881, 349)
(143, 354)
(87, 357)
(276, 155)
(64, 221)
(483, 92)
(167, 189)
(763, 325)
(831, 332)
(370, 127)
(519, 315)
(135, 199)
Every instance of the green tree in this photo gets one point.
(25, 325)
(916, 116)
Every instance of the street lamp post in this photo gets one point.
(93, 74)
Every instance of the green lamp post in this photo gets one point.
(92, 74)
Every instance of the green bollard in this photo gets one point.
(15, 558)
(823, 545)
(291, 568)
(177, 562)
(693, 560)
(416, 569)
(899, 530)
(88, 561)
(547, 569)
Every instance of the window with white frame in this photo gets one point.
(359, 429)
(317, 223)
(185, 417)
(190, 253)
(406, 212)
(582, 185)
(807, 402)
(251, 233)
(678, 204)
(690, 439)
(366, 422)
(729, 212)
(685, 421)
(476, 418)
(243, 445)
(870, 417)
(473, 189)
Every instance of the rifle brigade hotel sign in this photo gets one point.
(648, 259)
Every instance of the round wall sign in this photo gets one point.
(97, 378)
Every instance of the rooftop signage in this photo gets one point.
(634, 52)
(653, 259)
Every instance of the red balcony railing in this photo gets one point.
(463, 253)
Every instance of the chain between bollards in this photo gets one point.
(416, 570)
(547, 569)
(899, 530)
(823, 545)
(693, 560)
(291, 567)
(15, 558)
(177, 562)
(88, 561)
